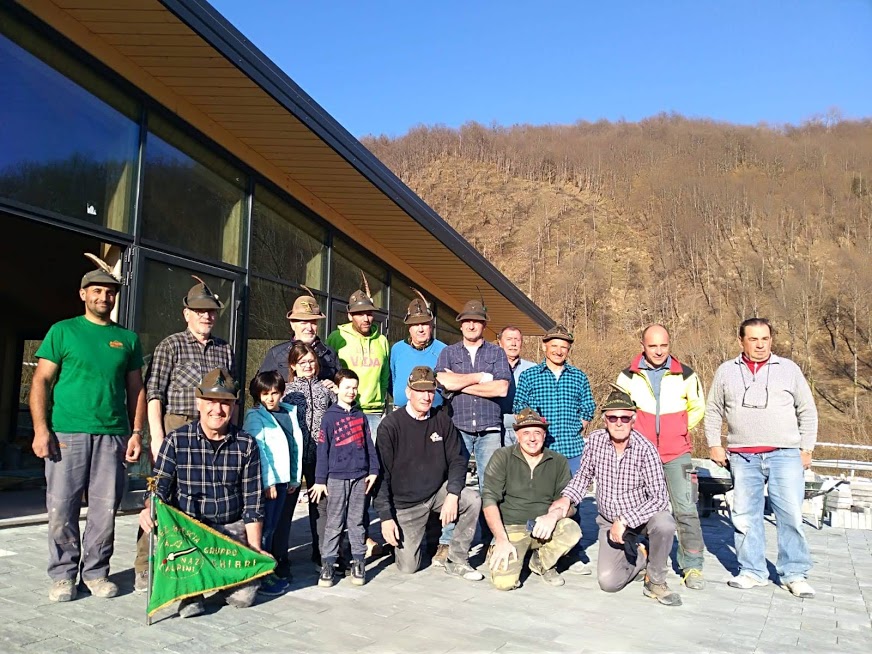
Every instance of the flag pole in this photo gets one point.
(150, 498)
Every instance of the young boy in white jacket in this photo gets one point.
(280, 441)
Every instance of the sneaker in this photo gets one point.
(800, 588)
(191, 607)
(745, 582)
(693, 579)
(140, 581)
(463, 570)
(358, 572)
(661, 593)
(325, 579)
(283, 570)
(578, 567)
(102, 587)
(441, 555)
(272, 586)
(549, 576)
(64, 590)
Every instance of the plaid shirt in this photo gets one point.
(217, 486)
(179, 364)
(632, 488)
(472, 413)
(563, 401)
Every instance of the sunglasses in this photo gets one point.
(622, 419)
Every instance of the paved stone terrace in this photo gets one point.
(431, 612)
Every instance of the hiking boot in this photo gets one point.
(800, 588)
(102, 587)
(463, 570)
(373, 549)
(64, 590)
(358, 572)
(693, 579)
(745, 581)
(325, 579)
(550, 576)
(661, 593)
(191, 607)
(441, 555)
(272, 586)
(140, 581)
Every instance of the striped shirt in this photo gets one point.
(563, 401)
(219, 485)
(631, 487)
(179, 364)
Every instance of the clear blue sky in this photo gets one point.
(382, 67)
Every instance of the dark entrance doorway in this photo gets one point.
(40, 270)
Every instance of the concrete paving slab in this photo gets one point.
(430, 612)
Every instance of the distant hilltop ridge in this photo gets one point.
(692, 223)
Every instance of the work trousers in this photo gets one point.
(92, 463)
(412, 523)
(616, 568)
(566, 534)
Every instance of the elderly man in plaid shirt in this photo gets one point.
(560, 393)
(210, 470)
(632, 501)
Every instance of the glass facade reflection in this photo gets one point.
(68, 141)
(286, 244)
(191, 196)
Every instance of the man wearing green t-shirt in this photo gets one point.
(82, 428)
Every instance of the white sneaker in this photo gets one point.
(800, 588)
(745, 582)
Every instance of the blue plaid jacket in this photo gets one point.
(219, 486)
(564, 402)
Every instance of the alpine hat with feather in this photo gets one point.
(419, 312)
(306, 308)
(361, 301)
(102, 276)
(201, 297)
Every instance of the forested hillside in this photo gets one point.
(692, 223)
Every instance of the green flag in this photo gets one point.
(191, 558)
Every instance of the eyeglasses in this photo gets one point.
(623, 419)
(305, 363)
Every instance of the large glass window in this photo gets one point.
(192, 199)
(447, 329)
(68, 141)
(285, 244)
(401, 296)
(348, 262)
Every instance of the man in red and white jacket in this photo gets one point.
(670, 403)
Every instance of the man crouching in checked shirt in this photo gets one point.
(210, 470)
(632, 501)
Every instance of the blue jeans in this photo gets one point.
(272, 512)
(374, 420)
(574, 465)
(782, 469)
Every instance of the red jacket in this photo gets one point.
(682, 406)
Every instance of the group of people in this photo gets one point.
(320, 416)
